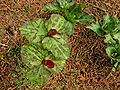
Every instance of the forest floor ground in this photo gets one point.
(88, 67)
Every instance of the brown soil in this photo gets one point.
(88, 67)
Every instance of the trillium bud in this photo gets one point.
(52, 32)
(48, 63)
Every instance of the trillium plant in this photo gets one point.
(48, 50)
(110, 29)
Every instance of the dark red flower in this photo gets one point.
(52, 32)
(48, 63)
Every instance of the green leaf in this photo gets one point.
(39, 74)
(59, 64)
(117, 36)
(119, 26)
(113, 69)
(116, 62)
(110, 50)
(113, 51)
(58, 47)
(83, 17)
(96, 28)
(59, 5)
(34, 30)
(70, 10)
(110, 23)
(59, 23)
(109, 39)
(119, 66)
(34, 75)
(32, 54)
(69, 16)
(74, 13)
(65, 4)
(76, 7)
(51, 7)
(106, 18)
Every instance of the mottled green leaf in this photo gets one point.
(58, 47)
(35, 75)
(59, 23)
(34, 30)
(41, 47)
(32, 54)
(59, 63)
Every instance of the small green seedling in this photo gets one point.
(110, 29)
